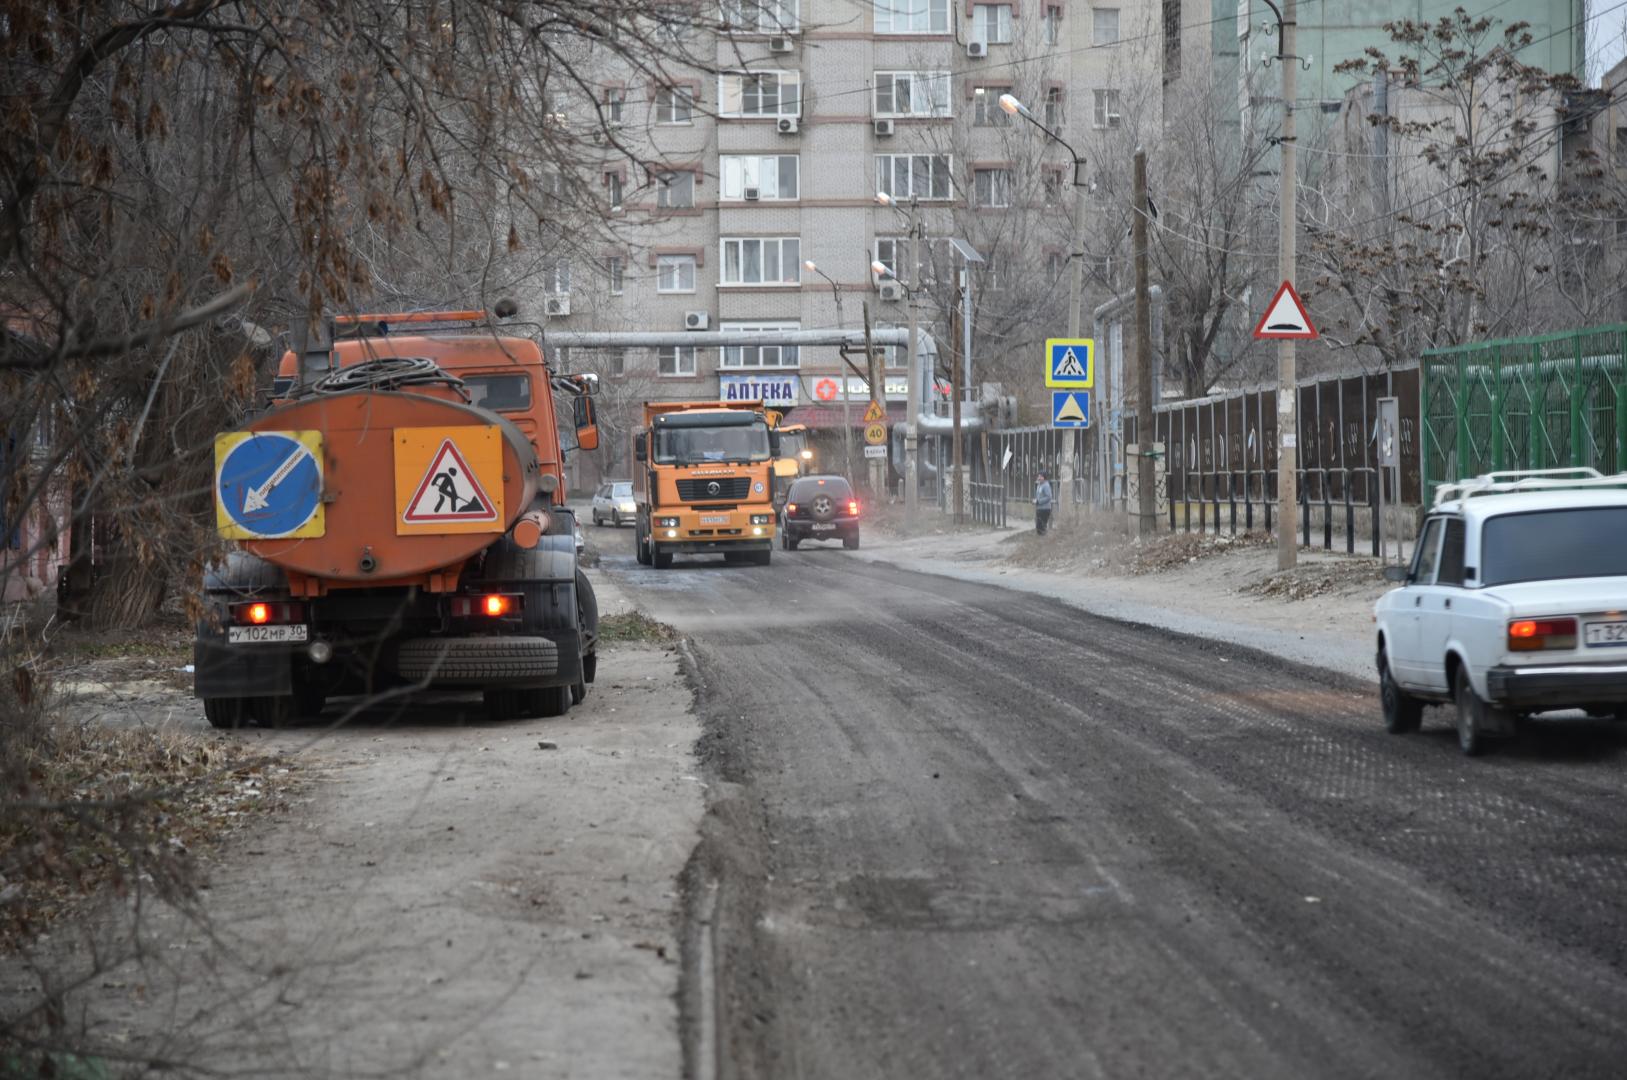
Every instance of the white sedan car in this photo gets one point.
(614, 502)
(1515, 603)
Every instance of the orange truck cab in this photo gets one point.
(703, 478)
(399, 517)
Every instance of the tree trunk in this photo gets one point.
(126, 596)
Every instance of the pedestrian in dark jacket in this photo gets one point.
(1042, 504)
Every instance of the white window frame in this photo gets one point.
(991, 23)
(1100, 32)
(613, 182)
(928, 91)
(752, 357)
(913, 16)
(789, 260)
(888, 256)
(986, 111)
(1052, 25)
(1055, 104)
(999, 189)
(556, 277)
(615, 105)
(672, 268)
(677, 355)
(736, 172)
(934, 167)
(894, 356)
(760, 16)
(673, 100)
(615, 268)
(732, 93)
(664, 188)
(1106, 112)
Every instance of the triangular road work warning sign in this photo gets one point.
(874, 414)
(1286, 317)
(449, 491)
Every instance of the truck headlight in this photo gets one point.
(667, 522)
(761, 519)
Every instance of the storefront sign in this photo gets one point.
(778, 390)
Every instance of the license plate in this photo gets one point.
(714, 519)
(246, 635)
(824, 528)
(1613, 632)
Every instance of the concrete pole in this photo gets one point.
(1287, 422)
(956, 382)
(913, 397)
(1076, 321)
(878, 466)
(1147, 503)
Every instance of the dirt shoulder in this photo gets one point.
(447, 897)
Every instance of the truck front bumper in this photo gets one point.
(1556, 686)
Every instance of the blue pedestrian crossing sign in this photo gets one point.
(268, 484)
(1070, 363)
(1070, 408)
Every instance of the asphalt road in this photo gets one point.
(956, 831)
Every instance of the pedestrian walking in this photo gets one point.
(1042, 504)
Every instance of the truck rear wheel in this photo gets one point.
(227, 713)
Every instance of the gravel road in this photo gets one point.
(960, 831)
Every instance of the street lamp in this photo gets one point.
(913, 381)
(841, 324)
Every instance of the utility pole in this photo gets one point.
(1076, 313)
(878, 466)
(1145, 477)
(955, 383)
(1287, 393)
(913, 397)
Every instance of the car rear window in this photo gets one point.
(1548, 544)
(835, 487)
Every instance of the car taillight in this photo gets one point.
(1532, 635)
(265, 613)
(853, 507)
(790, 508)
(491, 605)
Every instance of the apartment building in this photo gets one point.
(775, 159)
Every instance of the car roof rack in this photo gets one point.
(1515, 480)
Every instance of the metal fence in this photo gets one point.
(1559, 400)
(1243, 501)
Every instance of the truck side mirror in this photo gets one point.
(773, 443)
(639, 450)
(587, 427)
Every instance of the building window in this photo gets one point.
(1056, 263)
(674, 105)
(616, 361)
(896, 254)
(675, 273)
(1107, 108)
(913, 176)
(1172, 38)
(1104, 26)
(760, 16)
(912, 93)
(986, 105)
(675, 359)
(614, 99)
(769, 176)
(612, 181)
(1053, 25)
(762, 261)
(616, 270)
(991, 23)
(991, 187)
(994, 272)
(556, 277)
(675, 190)
(1053, 107)
(757, 356)
(1621, 146)
(760, 93)
(893, 356)
(912, 16)
(1051, 185)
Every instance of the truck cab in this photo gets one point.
(703, 481)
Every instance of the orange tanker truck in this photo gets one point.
(400, 520)
(704, 480)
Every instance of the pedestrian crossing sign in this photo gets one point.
(1070, 363)
(1070, 408)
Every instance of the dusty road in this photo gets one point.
(962, 832)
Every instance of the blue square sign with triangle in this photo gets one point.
(1070, 363)
(1070, 408)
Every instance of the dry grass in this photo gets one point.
(1309, 580)
(634, 626)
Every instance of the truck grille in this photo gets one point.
(726, 487)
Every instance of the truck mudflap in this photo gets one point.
(238, 671)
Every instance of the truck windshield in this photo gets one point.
(692, 445)
(1549, 544)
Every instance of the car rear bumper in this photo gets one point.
(1556, 686)
(804, 530)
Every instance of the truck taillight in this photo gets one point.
(490, 605)
(265, 613)
(853, 507)
(1533, 635)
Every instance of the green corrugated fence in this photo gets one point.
(1546, 402)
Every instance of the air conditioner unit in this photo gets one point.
(977, 50)
(884, 128)
(697, 320)
(779, 44)
(559, 304)
(751, 194)
(892, 290)
(787, 125)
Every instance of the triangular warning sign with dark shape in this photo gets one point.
(874, 414)
(1069, 367)
(1070, 410)
(449, 491)
(1286, 317)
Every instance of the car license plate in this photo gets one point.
(1613, 632)
(825, 527)
(714, 519)
(245, 635)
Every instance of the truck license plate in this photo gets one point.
(245, 635)
(1613, 632)
(714, 519)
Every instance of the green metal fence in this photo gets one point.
(1525, 403)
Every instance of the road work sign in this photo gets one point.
(268, 484)
(875, 414)
(1286, 317)
(1070, 408)
(448, 480)
(1070, 363)
(875, 434)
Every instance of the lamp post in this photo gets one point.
(841, 324)
(912, 395)
(1076, 287)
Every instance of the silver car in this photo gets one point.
(613, 502)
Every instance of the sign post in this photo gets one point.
(1286, 321)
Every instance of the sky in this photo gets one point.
(1606, 36)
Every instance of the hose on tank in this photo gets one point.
(385, 373)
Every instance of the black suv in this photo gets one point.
(820, 508)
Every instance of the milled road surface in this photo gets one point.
(961, 832)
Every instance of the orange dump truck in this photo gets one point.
(703, 476)
(400, 521)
